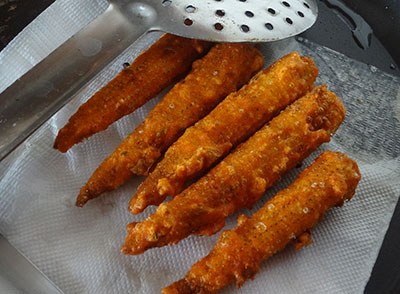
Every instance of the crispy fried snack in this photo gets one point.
(156, 68)
(290, 214)
(232, 121)
(242, 177)
(223, 70)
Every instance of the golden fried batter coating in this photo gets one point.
(156, 68)
(290, 214)
(223, 70)
(242, 177)
(232, 121)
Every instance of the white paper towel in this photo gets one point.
(78, 249)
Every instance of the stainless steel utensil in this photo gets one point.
(37, 95)
(18, 275)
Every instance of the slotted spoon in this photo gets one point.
(38, 94)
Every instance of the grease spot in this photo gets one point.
(44, 88)
(89, 47)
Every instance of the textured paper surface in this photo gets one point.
(78, 249)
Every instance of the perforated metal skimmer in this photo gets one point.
(38, 94)
(238, 20)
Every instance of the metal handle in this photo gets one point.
(19, 275)
(38, 94)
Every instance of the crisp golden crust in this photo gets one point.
(290, 214)
(156, 68)
(224, 69)
(232, 121)
(242, 177)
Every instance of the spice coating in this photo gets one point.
(232, 121)
(289, 215)
(224, 69)
(242, 177)
(151, 72)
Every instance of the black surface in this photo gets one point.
(331, 30)
(384, 17)
(15, 15)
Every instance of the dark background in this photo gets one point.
(334, 30)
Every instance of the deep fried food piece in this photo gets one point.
(242, 177)
(232, 121)
(224, 69)
(290, 214)
(156, 68)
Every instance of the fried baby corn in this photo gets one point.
(223, 70)
(242, 177)
(156, 68)
(232, 121)
(290, 214)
